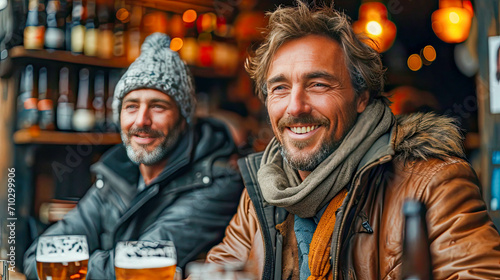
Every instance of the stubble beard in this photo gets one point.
(309, 162)
(141, 155)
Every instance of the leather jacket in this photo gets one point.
(419, 159)
(190, 202)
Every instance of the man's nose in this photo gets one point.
(143, 117)
(299, 102)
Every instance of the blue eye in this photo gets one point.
(279, 89)
(130, 106)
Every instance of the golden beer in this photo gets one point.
(62, 257)
(155, 268)
(61, 270)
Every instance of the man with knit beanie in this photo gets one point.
(325, 199)
(170, 180)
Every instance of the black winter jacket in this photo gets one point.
(191, 202)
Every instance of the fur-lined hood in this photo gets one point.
(427, 135)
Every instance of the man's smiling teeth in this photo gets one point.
(303, 129)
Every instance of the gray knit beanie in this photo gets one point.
(160, 68)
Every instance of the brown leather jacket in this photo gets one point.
(421, 159)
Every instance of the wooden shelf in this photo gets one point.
(19, 52)
(205, 72)
(176, 6)
(35, 136)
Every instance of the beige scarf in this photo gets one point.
(282, 187)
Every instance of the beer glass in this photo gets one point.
(145, 260)
(62, 257)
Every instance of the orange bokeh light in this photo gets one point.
(176, 44)
(429, 53)
(123, 15)
(189, 16)
(414, 62)
(374, 24)
(452, 21)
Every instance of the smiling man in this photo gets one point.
(324, 200)
(170, 180)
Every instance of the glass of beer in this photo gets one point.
(62, 257)
(146, 260)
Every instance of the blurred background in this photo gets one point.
(60, 61)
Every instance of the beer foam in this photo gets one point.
(138, 263)
(60, 258)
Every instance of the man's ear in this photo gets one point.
(362, 101)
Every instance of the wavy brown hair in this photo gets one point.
(288, 23)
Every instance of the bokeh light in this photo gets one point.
(429, 53)
(454, 17)
(414, 62)
(189, 16)
(374, 28)
(176, 44)
(123, 15)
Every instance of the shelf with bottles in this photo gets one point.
(44, 56)
(53, 105)
(20, 53)
(109, 34)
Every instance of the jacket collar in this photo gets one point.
(203, 142)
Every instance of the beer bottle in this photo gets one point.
(54, 35)
(77, 29)
(27, 102)
(45, 105)
(65, 106)
(114, 76)
(91, 31)
(417, 264)
(98, 102)
(68, 18)
(83, 119)
(105, 39)
(134, 33)
(34, 32)
(122, 16)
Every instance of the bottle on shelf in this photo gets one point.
(105, 39)
(54, 35)
(83, 118)
(99, 102)
(45, 104)
(91, 31)
(134, 33)
(77, 28)
(417, 263)
(114, 76)
(122, 16)
(68, 24)
(34, 32)
(65, 105)
(27, 101)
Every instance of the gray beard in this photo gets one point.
(310, 162)
(158, 154)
